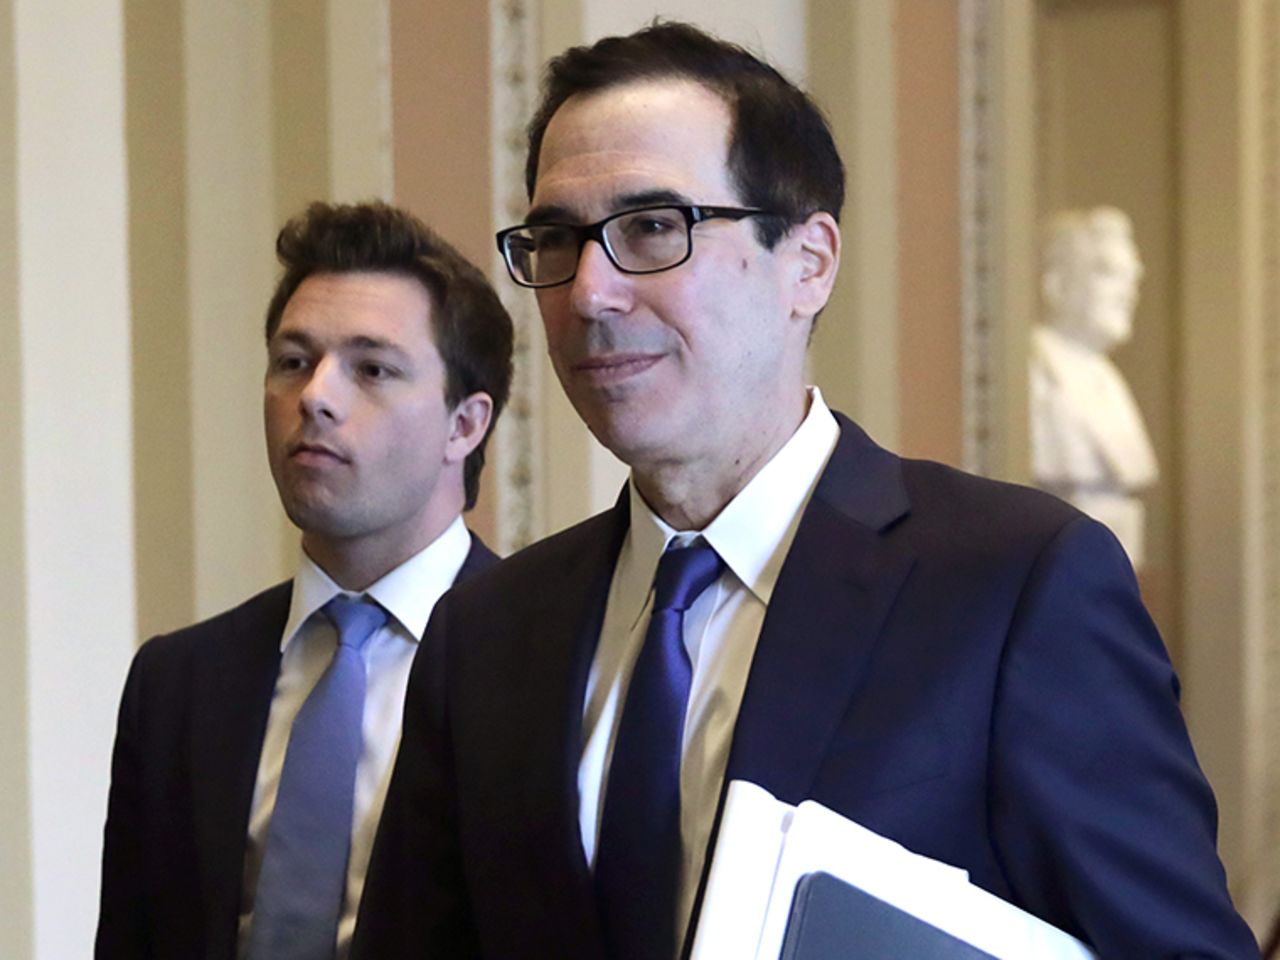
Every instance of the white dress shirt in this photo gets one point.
(408, 594)
(752, 534)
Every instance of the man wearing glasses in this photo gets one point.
(962, 666)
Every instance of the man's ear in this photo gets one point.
(818, 251)
(468, 422)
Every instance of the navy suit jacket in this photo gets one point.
(192, 721)
(961, 665)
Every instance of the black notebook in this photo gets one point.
(833, 920)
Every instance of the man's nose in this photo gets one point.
(598, 287)
(324, 395)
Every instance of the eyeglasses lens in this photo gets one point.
(647, 240)
(543, 255)
(638, 241)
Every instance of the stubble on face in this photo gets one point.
(356, 420)
(657, 365)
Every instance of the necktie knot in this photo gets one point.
(356, 618)
(683, 573)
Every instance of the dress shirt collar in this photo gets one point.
(754, 531)
(408, 593)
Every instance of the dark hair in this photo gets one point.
(471, 327)
(782, 157)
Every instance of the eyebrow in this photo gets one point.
(365, 342)
(648, 198)
(549, 213)
(557, 213)
(359, 341)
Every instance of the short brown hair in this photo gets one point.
(782, 156)
(471, 327)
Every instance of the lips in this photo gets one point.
(310, 453)
(613, 367)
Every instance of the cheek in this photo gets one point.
(561, 348)
(555, 322)
(411, 435)
(274, 416)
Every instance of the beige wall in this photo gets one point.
(1229, 249)
(164, 533)
(299, 83)
(774, 27)
(68, 459)
(927, 44)
(439, 57)
(443, 178)
(16, 901)
(229, 174)
(854, 358)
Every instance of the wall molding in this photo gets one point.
(517, 442)
(997, 222)
(978, 303)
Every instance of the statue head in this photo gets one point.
(1090, 276)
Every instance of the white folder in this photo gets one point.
(765, 846)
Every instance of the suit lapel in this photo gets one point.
(566, 634)
(835, 590)
(231, 697)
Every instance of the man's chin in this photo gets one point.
(618, 438)
(634, 443)
(319, 518)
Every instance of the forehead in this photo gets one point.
(654, 136)
(389, 305)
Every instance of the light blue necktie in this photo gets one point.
(638, 864)
(304, 868)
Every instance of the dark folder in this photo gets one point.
(834, 920)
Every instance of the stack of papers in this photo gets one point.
(766, 846)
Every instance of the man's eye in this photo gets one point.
(647, 226)
(289, 363)
(372, 370)
(652, 225)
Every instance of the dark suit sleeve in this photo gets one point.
(122, 924)
(415, 902)
(1102, 818)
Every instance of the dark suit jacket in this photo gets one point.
(192, 720)
(961, 665)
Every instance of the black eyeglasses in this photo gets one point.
(647, 240)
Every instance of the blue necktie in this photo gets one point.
(639, 853)
(304, 868)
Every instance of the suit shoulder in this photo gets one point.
(260, 615)
(934, 484)
(973, 512)
(540, 565)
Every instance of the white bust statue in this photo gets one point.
(1089, 444)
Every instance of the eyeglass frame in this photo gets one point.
(694, 213)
